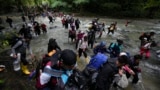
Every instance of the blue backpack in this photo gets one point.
(97, 61)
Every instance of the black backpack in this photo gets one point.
(43, 62)
(77, 81)
(13, 40)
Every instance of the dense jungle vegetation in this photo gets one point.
(115, 8)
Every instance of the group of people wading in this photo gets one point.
(108, 67)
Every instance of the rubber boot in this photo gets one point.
(25, 70)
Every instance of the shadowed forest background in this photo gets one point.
(114, 8)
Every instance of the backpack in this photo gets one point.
(97, 61)
(13, 40)
(114, 49)
(116, 79)
(77, 81)
(72, 33)
(43, 62)
(111, 44)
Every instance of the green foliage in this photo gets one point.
(4, 37)
(80, 1)
(111, 6)
(105, 7)
(58, 4)
(152, 4)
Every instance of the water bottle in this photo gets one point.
(140, 77)
(16, 63)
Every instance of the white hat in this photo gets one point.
(145, 38)
(123, 53)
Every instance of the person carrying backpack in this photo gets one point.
(77, 23)
(9, 21)
(50, 19)
(82, 47)
(19, 49)
(101, 47)
(146, 36)
(134, 65)
(44, 28)
(53, 45)
(145, 49)
(109, 70)
(79, 37)
(55, 74)
(112, 28)
(23, 18)
(24, 31)
(115, 48)
(96, 62)
(91, 38)
(72, 35)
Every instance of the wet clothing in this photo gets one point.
(101, 49)
(66, 23)
(145, 50)
(53, 81)
(21, 47)
(43, 27)
(112, 28)
(82, 46)
(50, 19)
(53, 45)
(9, 21)
(106, 75)
(91, 38)
(145, 37)
(115, 49)
(37, 30)
(79, 37)
(72, 34)
(24, 31)
(135, 68)
(77, 23)
(63, 21)
(23, 18)
(97, 61)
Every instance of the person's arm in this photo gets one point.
(43, 79)
(59, 47)
(80, 41)
(29, 49)
(13, 49)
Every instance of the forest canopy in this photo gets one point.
(125, 8)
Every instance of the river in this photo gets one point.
(130, 34)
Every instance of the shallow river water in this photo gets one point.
(130, 34)
(150, 68)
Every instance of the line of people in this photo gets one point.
(102, 72)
